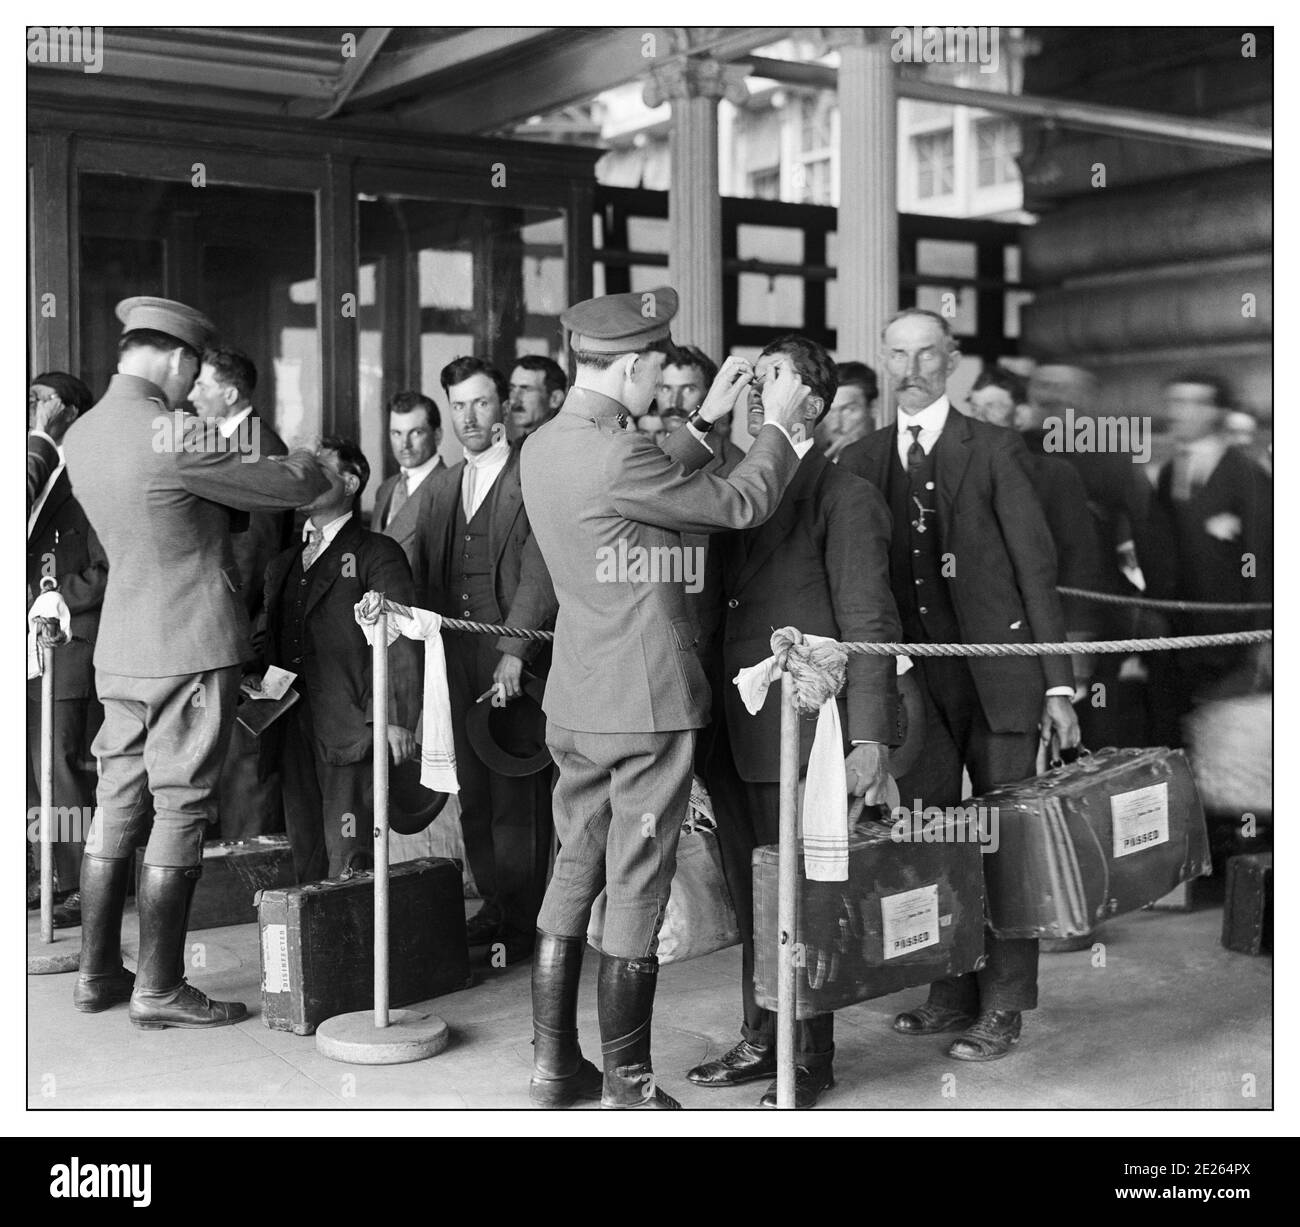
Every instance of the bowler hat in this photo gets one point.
(520, 723)
(411, 806)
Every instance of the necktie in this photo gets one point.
(312, 538)
(400, 495)
(467, 490)
(915, 453)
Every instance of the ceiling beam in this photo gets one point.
(354, 69)
(408, 72)
(564, 72)
(1086, 116)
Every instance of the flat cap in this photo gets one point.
(163, 315)
(621, 323)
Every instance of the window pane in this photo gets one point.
(777, 244)
(773, 301)
(946, 258)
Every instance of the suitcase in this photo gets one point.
(233, 872)
(1107, 834)
(1248, 906)
(911, 912)
(318, 941)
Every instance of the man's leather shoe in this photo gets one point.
(992, 1036)
(930, 1019)
(746, 1062)
(482, 928)
(183, 1006)
(808, 1087)
(93, 993)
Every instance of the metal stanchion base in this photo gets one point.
(63, 954)
(355, 1040)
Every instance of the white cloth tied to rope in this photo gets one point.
(49, 604)
(437, 751)
(824, 819)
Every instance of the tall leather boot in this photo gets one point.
(103, 981)
(162, 998)
(625, 995)
(560, 1074)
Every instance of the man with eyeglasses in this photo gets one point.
(971, 561)
(475, 558)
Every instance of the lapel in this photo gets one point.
(325, 570)
(439, 513)
(59, 494)
(881, 448)
(758, 544)
(508, 498)
(952, 455)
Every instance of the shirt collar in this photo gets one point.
(421, 471)
(231, 424)
(932, 417)
(329, 532)
(498, 453)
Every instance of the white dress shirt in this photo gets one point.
(231, 424)
(931, 420)
(415, 477)
(481, 471)
(322, 537)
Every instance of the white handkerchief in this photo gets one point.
(437, 751)
(48, 604)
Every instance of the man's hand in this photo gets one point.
(1059, 721)
(401, 744)
(54, 417)
(508, 672)
(783, 397)
(867, 767)
(728, 386)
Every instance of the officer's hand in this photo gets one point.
(867, 768)
(727, 389)
(401, 744)
(1059, 721)
(507, 674)
(54, 417)
(783, 396)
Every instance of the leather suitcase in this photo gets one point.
(911, 912)
(233, 872)
(1248, 905)
(1107, 834)
(318, 941)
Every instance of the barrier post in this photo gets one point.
(380, 688)
(787, 897)
(47, 793)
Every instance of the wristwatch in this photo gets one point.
(700, 424)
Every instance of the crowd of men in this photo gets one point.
(192, 561)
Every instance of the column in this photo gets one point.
(868, 209)
(693, 86)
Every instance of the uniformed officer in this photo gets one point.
(163, 491)
(626, 692)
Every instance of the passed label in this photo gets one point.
(1139, 819)
(275, 959)
(910, 920)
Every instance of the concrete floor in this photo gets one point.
(1171, 1021)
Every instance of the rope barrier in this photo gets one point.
(1150, 602)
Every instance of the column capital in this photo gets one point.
(695, 77)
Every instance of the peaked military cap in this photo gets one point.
(621, 323)
(163, 315)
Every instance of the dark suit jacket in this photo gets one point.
(268, 532)
(521, 582)
(821, 563)
(159, 487)
(1206, 568)
(1074, 530)
(42, 460)
(1004, 586)
(63, 545)
(334, 675)
(625, 651)
(405, 526)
